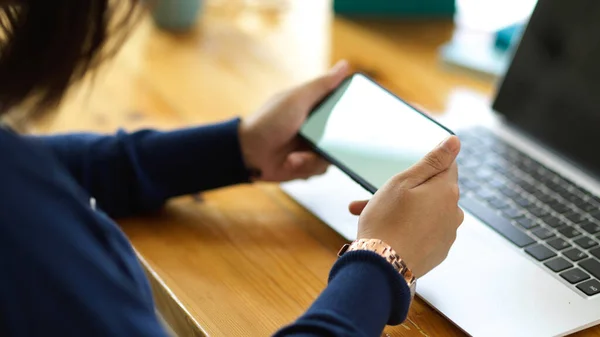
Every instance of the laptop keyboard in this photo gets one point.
(547, 216)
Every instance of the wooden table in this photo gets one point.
(245, 260)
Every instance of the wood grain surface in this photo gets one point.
(245, 260)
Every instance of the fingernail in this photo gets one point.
(340, 65)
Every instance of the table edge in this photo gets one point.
(173, 312)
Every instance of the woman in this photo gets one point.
(68, 270)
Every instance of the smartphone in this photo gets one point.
(369, 133)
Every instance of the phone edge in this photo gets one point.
(354, 176)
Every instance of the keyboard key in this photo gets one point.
(589, 206)
(499, 147)
(553, 221)
(538, 177)
(553, 202)
(500, 166)
(512, 212)
(498, 203)
(527, 186)
(485, 193)
(468, 184)
(575, 275)
(569, 232)
(507, 191)
(585, 242)
(558, 244)
(531, 206)
(526, 223)
(591, 287)
(577, 200)
(501, 169)
(575, 217)
(523, 164)
(497, 182)
(579, 190)
(516, 178)
(595, 252)
(540, 252)
(523, 202)
(559, 208)
(575, 254)
(594, 198)
(590, 227)
(559, 264)
(545, 172)
(558, 188)
(484, 173)
(496, 222)
(592, 266)
(595, 214)
(579, 203)
(542, 233)
(537, 211)
(545, 198)
(468, 163)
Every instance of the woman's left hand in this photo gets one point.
(269, 138)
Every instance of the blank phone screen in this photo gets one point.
(369, 131)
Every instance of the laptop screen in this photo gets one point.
(552, 88)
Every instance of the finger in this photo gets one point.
(461, 217)
(453, 172)
(300, 145)
(435, 162)
(356, 207)
(305, 165)
(315, 90)
(450, 176)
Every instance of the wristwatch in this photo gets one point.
(381, 248)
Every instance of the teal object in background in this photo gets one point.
(175, 15)
(509, 37)
(396, 8)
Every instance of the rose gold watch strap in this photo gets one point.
(384, 250)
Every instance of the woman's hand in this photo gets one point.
(416, 212)
(269, 140)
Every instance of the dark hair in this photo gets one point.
(47, 45)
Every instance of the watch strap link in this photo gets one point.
(384, 250)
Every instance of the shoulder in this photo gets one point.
(18, 153)
(35, 188)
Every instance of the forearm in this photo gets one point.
(363, 295)
(129, 173)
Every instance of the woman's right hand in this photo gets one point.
(416, 212)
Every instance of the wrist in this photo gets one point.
(388, 253)
(373, 267)
(248, 147)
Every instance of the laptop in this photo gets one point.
(526, 261)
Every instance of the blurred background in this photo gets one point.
(192, 61)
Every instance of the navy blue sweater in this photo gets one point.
(66, 269)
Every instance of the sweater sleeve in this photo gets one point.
(363, 295)
(130, 173)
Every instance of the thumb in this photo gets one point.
(312, 92)
(437, 161)
(356, 207)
